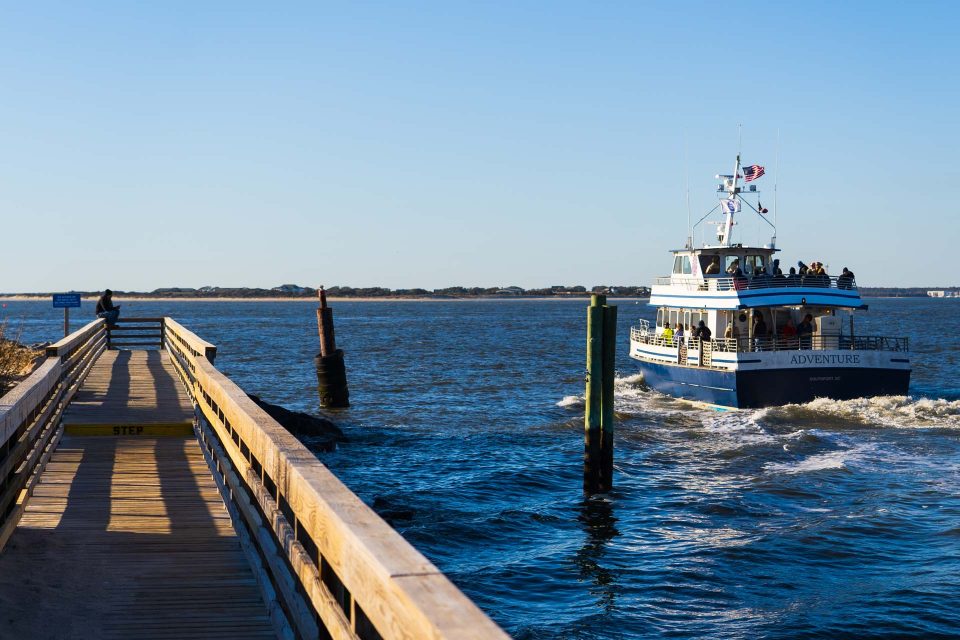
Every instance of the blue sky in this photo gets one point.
(145, 145)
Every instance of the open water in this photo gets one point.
(466, 434)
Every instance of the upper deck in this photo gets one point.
(738, 277)
(728, 293)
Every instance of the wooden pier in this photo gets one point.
(144, 495)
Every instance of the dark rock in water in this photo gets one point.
(392, 513)
(320, 433)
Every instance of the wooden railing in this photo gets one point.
(30, 418)
(138, 333)
(329, 566)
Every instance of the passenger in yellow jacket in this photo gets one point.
(667, 335)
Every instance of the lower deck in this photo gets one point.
(754, 388)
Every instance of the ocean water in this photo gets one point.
(466, 434)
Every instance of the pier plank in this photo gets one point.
(129, 537)
(137, 389)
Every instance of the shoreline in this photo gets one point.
(121, 300)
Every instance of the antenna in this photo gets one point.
(776, 178)
(686, 171)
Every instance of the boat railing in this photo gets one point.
(727, 283)
(780, 343)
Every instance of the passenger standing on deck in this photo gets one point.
(731, 334)
(678, 332)
(759, 331)
(702, 331)
(789, 334)
(805, 332)
(713, 267)
(667, 335)
(106, 309)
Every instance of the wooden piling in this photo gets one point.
(331, 371)
(594, 395)
(599, 416)
(606, 416)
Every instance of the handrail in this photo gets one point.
(75, 339)
(189, 341)
(138, 333)
(765, 281)
(331, 559)
(782, 343)
(30, 415)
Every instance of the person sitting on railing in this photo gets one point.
(106, 309)
(713, 268)
(805, 332)
(845, 279)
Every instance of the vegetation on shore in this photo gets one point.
(16, 360)
(295, 291)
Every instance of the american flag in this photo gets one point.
(752, 172)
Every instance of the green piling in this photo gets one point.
(606, 414)
(598, 417)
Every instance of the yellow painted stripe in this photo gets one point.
(169, 429)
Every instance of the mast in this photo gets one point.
(732, 190)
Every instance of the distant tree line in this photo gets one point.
(296, 291)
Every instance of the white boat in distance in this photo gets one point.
(772, 338)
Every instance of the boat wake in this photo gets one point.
(901, 412)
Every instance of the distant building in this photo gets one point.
(937, 294)
(290, 288)
(510, 291)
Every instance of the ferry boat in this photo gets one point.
(773, 338)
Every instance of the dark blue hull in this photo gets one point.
(773, 387)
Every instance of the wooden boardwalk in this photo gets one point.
(131, 393)
(129, 538)
(114, 525)
(126, 534)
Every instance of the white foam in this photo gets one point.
(571, 401)
(890, 411)
(821, 461)
(739, 428)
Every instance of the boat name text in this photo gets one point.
(820, 358)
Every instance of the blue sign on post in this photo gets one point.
(66, 300)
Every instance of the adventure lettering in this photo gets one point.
(822, 358)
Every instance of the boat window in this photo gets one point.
(678, 265)
(728, 263)
(673, 318)
(686, 264)
(686, 319)
(659, 317)
(705, 261)
(752, 263)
